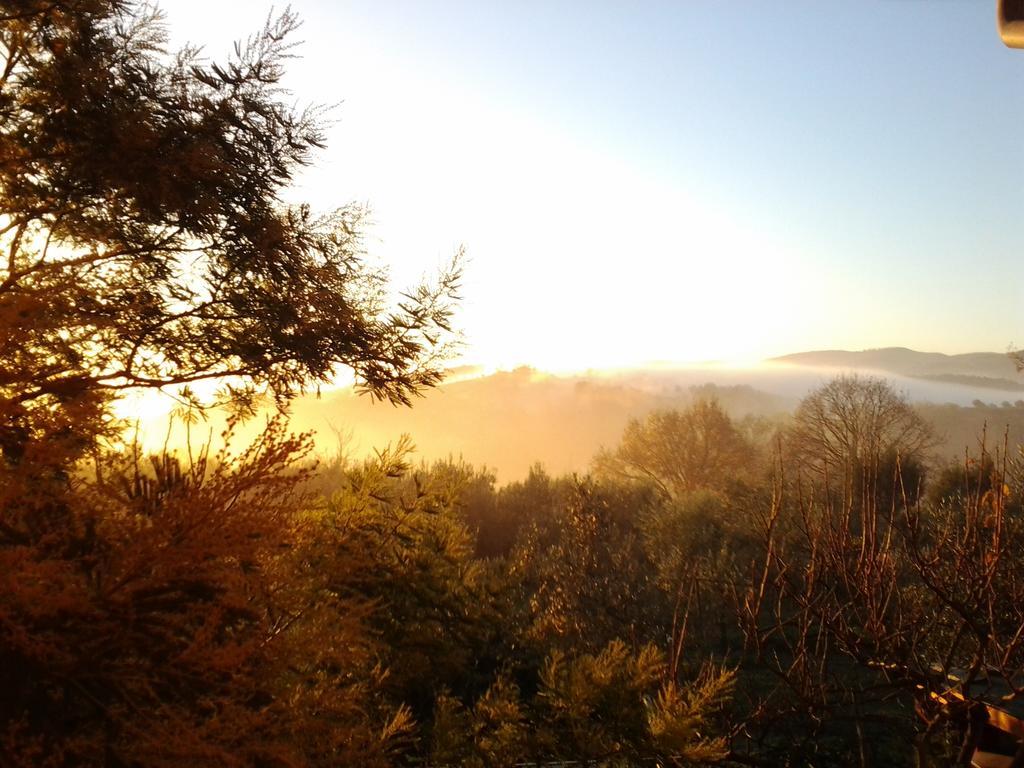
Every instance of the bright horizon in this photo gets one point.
(678, 182)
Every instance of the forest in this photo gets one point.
(828, 589)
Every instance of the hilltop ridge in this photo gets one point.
(509, 420)
(990, 370)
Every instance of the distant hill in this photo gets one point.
(984, 382)
(990, 370)
(512, 419)
(992, 375)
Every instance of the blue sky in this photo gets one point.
(681, 180)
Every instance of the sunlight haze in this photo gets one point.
(681, 181)
(392, 383)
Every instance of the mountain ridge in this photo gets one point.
(986, 369)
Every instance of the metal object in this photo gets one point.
(1010, 20)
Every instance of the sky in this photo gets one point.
(674, 181)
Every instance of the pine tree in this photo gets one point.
(167, 610)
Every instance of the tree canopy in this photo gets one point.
(851, 424)
(144, 233)
(163, 610)
(681, 451)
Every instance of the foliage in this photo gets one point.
(681, 451)
(493, 733)
(616, 705)
(979, 477)
(247, 607)
(163, 610)
(677, 716)
(501, 517)
(700, 546)
(610, 707)
(584, 579)
(435, 614)
(155, 614)
(145, 239)
(924, 598)
(854, 431)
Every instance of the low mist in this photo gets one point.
(511, 420)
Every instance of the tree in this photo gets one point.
(619, 704)
(582, 578)
(681, 451)
(926, 600)
(851, 428)
(170, 613)
(164, 611)
(145, 242)
(437, 619)
(700, 545)
(492, 733)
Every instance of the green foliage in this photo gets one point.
(505, 659)
(677, 716)
(902, 613)
(981, 477)
(610, 707)
(492, 734)
(616, 705)
(153, 610)
(500, 518)
(681, 451)
(585, 579)
(680, 534)
(593, 703)
(156, 613)
(436, 616)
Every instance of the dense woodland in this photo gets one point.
(710, 591)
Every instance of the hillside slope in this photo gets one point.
(992, 370)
